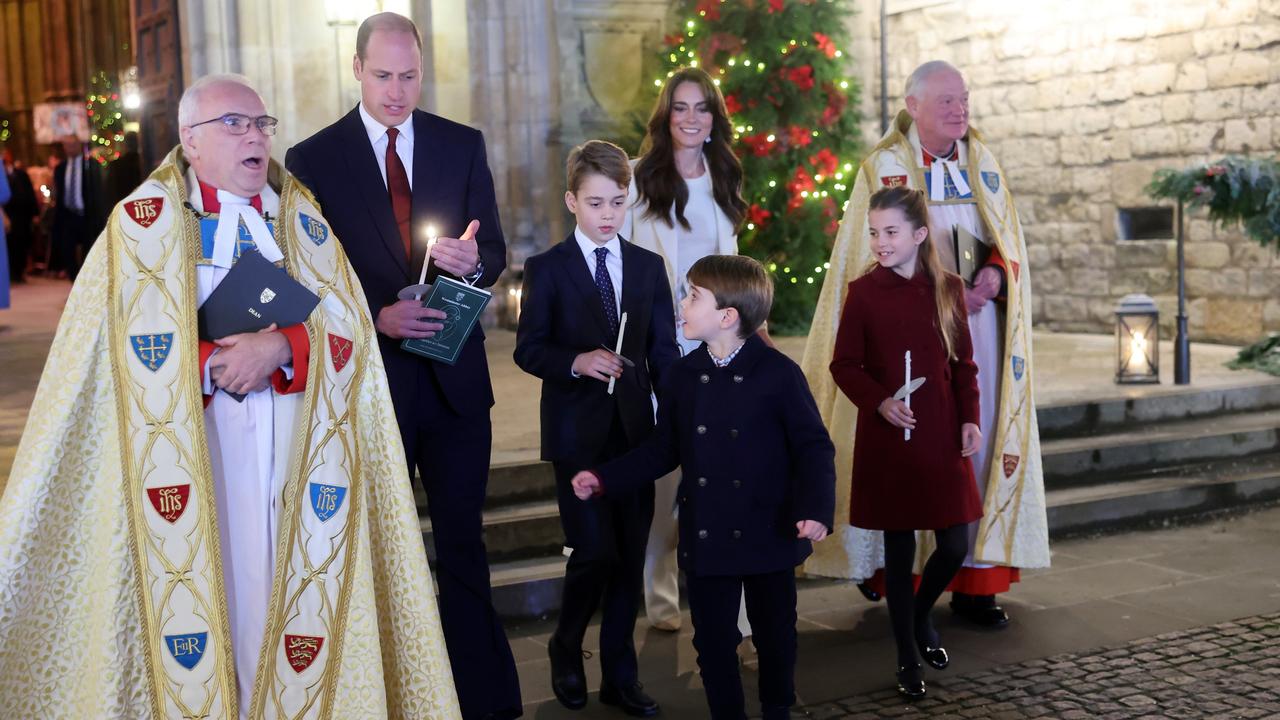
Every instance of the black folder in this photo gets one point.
(254, 294)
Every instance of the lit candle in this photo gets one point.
(426, 259)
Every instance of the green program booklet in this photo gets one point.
(461, 305)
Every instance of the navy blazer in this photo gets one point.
(561, 316)
(755, 459)
(451, 186)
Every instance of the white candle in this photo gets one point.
(426, 259)
(906, 432)
(617, 350)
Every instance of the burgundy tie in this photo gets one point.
(401, 195)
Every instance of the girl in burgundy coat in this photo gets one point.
(906, 302)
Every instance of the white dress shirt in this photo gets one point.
(612, 261)
(378, 139)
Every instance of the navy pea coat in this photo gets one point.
(755, 457)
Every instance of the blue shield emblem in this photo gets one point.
(991, 180)
(949, 189)
(244, 241)
(326, 499)
(187, 649)
(314, 229)
(1019, 365)
(152, 350)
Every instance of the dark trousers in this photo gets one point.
(771, 608)
(69, 231)
(606, 568)
(451, 453)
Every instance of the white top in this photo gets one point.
(612, 261)
(378, 139)
(699, 241)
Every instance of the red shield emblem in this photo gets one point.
(893, 181)
(339, 351)
(1010, 464)
(170, 502)
(145, 211)
(1016, 269)
(301, 650)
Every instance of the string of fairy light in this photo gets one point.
(106, 114)
(824, 184)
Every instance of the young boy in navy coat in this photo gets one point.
(578, 297)
(758, 483)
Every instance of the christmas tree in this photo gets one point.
(794, 111)
(106, 117)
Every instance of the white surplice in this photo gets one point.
(248, 473)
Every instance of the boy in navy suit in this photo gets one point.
(758, 483)
(577, 298)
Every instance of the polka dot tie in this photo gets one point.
(605, 285)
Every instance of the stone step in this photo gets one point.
(1097, 417)
(531, 587)
(1152, 446)
(513, 532)
(1152, 499)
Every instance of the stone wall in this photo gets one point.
(1081, 102)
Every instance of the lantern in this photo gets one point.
(1137, 340)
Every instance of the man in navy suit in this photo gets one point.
(594, 408)
(382, 174)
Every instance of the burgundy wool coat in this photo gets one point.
(924, 483)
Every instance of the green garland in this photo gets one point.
(794, 112)
(1234, 189)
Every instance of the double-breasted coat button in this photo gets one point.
(737, 483)
(702, 429)
(737, 378)
(702, 482)
(702, 534)
(705, 378)
(733, 433)
(684, 554)
(737, 534)
(684, 499)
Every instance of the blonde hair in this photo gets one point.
(915, 208)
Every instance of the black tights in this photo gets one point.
(910, 615)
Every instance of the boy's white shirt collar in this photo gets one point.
(376, 129)
(589, 246)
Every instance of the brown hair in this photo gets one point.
(915, 208)
(658, 182)
(738, 282)
(596, 157)
(387, 22)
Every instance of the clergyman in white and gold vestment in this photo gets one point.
(169, 552)
(931, 146)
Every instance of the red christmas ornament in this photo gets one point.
(827, 47)
(824, 162)
(801, 77)
(758, 215)
(732, 105)
(709, 9)
(775, 6)
(673, 40)
(759, 144)
(799, 136)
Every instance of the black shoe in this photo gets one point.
(981, 610)
(568, 680)
(910, 682)
(631, 699)
(868, 593)
(930, 646)
(936, 657)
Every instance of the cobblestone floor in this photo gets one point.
(1228, 670)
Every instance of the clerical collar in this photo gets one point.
(725, 362)
(953, 156)
(212, 205)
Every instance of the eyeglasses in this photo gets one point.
(238, 124)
